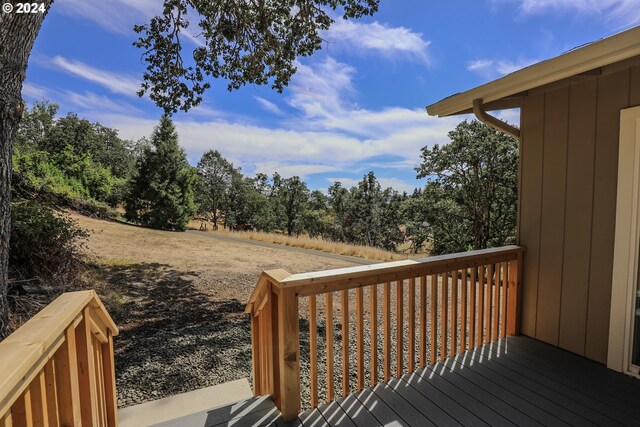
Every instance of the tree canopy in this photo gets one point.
(244, 42)
(161, 194)
(471, 198)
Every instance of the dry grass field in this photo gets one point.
(307, 242)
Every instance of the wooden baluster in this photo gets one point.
(345, 343)
(454, 313)
(412, 323)
(473, 308)
(21, 410)
(329, 327)
(480, 305)
(463, 312)
(313, 350)
(487, 314)
(399, 327)
(513, 326)
(51, 394)
(434, 317)
(496, 304)
(387, 331)
(109, 375)
(373, 299)
(38, 390)
(503, 295)
(86, 371)
(97, 360)
(67, 380)
(423, 321)
(360, 337)
(6, 420)
(444, 302)
(289, 354)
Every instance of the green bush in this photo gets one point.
(46, 247)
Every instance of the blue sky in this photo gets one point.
(355, 106)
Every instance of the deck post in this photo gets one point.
(289, 354)
(513, 295)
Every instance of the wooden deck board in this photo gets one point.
(622, 405)
(426, 406)
(536, 406)
(405, 410)
(522, 382)
(570, 397)
(357, 412)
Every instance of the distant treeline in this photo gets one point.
(469, 201)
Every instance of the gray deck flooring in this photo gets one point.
(518, 382)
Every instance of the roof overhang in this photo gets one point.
(507, 92)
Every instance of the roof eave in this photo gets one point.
(604, 52)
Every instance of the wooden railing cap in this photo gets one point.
(40, 337)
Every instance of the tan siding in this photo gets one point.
(530, 197)
(552, 219)
(613, 95)
(579, 201)
(567, 207)
(634, 91)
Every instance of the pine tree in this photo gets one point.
(161, 194)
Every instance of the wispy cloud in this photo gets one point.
(269, 106)
(379, 39)
(492, 68)
(86, 102)
(395, 183)
(621, 13)
(124, 84)
(118, 16)
(320, 89)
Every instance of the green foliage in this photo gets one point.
(244, 42)
(470, 201)
(70, 158)
(46, 247)
(215, 173)
(162, 192)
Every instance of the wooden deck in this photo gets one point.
(517, 382)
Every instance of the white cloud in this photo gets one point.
(323, 88)
(118, 16)
(395, 183)
(619, 12)
(269, 106)
(92, 102)
(287, 171)
(88, 102)
(493, 68)
(379, 39)
(116, 82)
(33, 91)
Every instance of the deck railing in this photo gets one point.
(57, 369)
(454, 303)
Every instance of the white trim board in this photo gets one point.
(627, 242)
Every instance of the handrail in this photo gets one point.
(59, 366)
(464, 300)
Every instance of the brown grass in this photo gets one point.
(319, 244)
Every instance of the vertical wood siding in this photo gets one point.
(569, 172)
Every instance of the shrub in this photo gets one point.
(46, 248)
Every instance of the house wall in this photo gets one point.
(569, 157)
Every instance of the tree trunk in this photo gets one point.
(17, 34)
